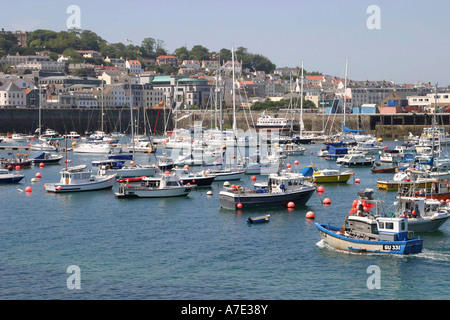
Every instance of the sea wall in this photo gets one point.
(382, 125)
(88, 120)
(26, 120)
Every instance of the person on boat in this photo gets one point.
(360, 209)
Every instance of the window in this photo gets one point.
(390, 225)
(381, 224)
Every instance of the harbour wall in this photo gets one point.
(382, 125)
(26, 120)
(118, 120)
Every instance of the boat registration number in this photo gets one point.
(391, 247)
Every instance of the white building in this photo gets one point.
(134, 66)
(12, 96)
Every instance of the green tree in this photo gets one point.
(182, 53)
(199, 52)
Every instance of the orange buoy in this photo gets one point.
(291, 204)
(167, 172)
(38, 175)
(326, 201)
(310, 215)
(320, 189)
(239, 205)
(28, 189)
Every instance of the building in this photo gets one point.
(286, 71)
(182, 90)
(12, 96)
(134, 66)
(151, 97)
(117, 62)
(169, 60)
(21, 36)
(228, 67)
(90, 54)
(50, 66)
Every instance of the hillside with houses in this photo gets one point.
(79, 69)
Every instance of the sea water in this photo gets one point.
(190, 248)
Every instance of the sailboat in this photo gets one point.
(118, 164)
(43, 144)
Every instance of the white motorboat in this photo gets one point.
(101, 148)
(424, 215)
(119, 165)
(355, 159)
(160, 186)
(74, 179)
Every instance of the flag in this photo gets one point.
(215, 55)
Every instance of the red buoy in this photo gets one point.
(291, 204)
(239, 205)
(320, 189)
(310, 215)
(28, 189)
(17, 167)
(357, 181)
(41, 165)
(253, 178)
(326, 201)
(38, 175)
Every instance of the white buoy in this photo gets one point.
(209, 193)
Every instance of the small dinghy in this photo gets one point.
(259, 219)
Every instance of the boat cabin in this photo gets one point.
(379, 228)
(161, 182)
(392, 229)
(285, 181)
(75, 174)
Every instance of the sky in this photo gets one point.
(410, 41)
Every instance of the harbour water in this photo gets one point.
(189, 248)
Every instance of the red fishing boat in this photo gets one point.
(384, 170)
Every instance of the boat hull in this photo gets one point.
(11, 179)
(143, 192)
(105, 183)
(340, 242)
(342, 178)
(395, 185)
(230, 200)
(427, 224)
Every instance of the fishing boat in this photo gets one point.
(259, 219)
(311, 173)
(355, 160)
(18, 159)
(46, 158)
(371, 235)
(364, 232)
(407, 179)
(75, 179)
(280, 189)
(423, 214)
(7, 177)
(161, 186)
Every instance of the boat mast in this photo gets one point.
(132, 118)
(301, 103)
(233, 92)
(345, 91)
